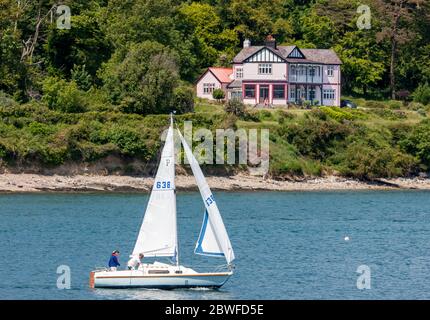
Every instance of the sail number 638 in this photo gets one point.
(163, 185)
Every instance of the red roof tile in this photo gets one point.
(222, 74)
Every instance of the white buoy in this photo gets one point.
(346, 238)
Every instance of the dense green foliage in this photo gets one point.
(103, 87)
(357, 143)
(218, 94)
(136, 51)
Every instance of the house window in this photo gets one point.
(236, 94)
(239, 73)
(278, 91)
(302, 70)
(330, 71)
(208, 88)
(329, 94)
(265, 68)
(249, 91)
(312, 71)
(312, 94)
(293, 72)
(293, 94)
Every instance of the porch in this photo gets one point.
(265, 93)
(299, 93)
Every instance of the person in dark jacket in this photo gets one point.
(113, 261)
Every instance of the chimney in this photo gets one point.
(270, 42)
(246, 43)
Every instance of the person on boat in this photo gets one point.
(135, 262)
(113, 261)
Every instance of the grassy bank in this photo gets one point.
(379, 139)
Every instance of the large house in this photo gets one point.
(277, 75)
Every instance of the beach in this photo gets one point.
(25, 183)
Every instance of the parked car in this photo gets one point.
(348, 104)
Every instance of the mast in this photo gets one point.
(158, 232)
(174, 177)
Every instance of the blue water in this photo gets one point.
(288, 245)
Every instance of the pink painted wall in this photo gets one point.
(336, 75)
(207, 78)
(250, 71)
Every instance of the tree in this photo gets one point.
(142, 77)
(395, 17)
(83, 44)
(363, 61)
(203, 21)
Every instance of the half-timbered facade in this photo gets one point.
(278, 75)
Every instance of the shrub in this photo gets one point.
(315, 138)
(6, 101)
(81, 77)
(417, 142)
(395, 105)
(91, 152)
(52, 155)
(41, 129)
(183, 100)
(390, 114)
(251, 115)
(293, 167)
(337, 113)
(265, 115)
(375, 104)
(218, 94)
(318, 114)
(422, 94)
(422, 112)
(63, 96)
(127, 139)
(283, 115)
(236, 107)
(71, 99)
(415, 106)
(365, 162)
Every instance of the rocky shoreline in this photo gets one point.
(27, 183)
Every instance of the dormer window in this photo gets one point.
(265, 68)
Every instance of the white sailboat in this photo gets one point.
(158, 235)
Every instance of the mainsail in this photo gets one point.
(213, 239)
(158, 233)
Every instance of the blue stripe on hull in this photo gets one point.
(160, 283)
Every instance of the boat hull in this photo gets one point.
(138, 279)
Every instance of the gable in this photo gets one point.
(264, 55)
(208, 76)
(296, 53)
